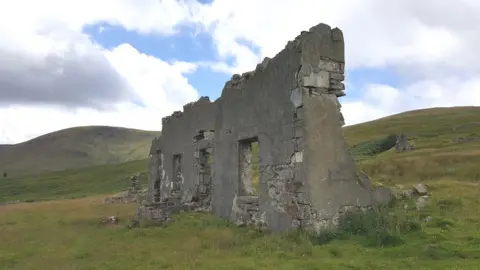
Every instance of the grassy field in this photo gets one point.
(74, 183)
(66, 234)
(432, 132)
(75, 148)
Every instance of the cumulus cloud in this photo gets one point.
(380, 100)
(157, 83)
(53, 76)
(431, 45)
(66, 78)
(378, 33)
(160, 88)
(46, 59)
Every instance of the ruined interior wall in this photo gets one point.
(178, 131)
(289, 103)
(256, 104)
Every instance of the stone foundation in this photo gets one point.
(246, 211)
(133, 195)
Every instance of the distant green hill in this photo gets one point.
(432, 131)
(443, 235)
(72, 183)
(75, 148)
(435, 126)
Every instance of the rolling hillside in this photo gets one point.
(75, 148)
(426, 125)
(443, 235)
(434, 133)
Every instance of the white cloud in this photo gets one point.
(24, 122)
(382, 100)
(378, 33)
(160, 86)
(146, 16)
(40, 96)
(432, 43)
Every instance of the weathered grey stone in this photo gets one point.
(420, 189)
(289, 105)
(153, 214)
(365, 180)
(421, 202)
(247, 200)
(402, 144)
(133, 195)
(187, 196)
(264, 64)
(337, 76)
(297, 157)
(337, 34)
(335, 69)
(320, 79)
(404, 193)
(337, 86)
(383, 195)
(209, 135)
(296, 97)
(246, 211)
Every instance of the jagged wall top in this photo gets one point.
(331, 48)
(321, 41)
(187, 108)
(332, 45)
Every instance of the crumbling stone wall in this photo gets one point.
(132, 195)
(174, 177)
(289, 105)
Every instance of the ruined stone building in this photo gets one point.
(288, 106)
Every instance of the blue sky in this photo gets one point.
(186, 45)
(409, 56)
(189, 46)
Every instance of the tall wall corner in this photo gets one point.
(326, 184)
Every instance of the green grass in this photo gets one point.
(75, 148)
(435, 157)
(66, 234)
(73, 183)
(430, 127)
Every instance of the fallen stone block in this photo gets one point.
(420, 189)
